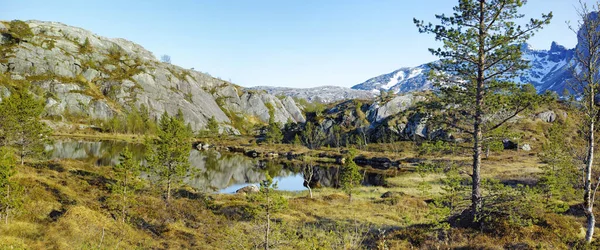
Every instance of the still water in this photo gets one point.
(213, 171)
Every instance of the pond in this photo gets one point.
(213, 171)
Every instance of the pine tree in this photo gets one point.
(350, 176)
(274, 134)
(312, 136)
(481, 53)
(127, 175)
(20, 125)
(213, 126)
(169, 153)
(559, 176)
(10, 198)
(269, 202)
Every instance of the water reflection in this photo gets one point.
(212, 170)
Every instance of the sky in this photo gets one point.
(288, 43)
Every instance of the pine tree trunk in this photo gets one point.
(124, 200)
(268, 229)
(476, 202)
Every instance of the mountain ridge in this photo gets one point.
(323, 94)
(549, 72)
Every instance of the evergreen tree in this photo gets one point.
(127, 175)
(559, 176)
(481, 53)
(312, 136)
(274, 134)
(350, 176)
(213, 126)
(10, 198)
(269, 202)
(86, 47)
(20, 124)
(169, 153)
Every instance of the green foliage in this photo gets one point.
(453, 199)
(135, 121)
(20, 125)
(297, 140)
(86, 47)
(211, 129)
(493, 140)
(168, 154)
(18, 31)
(509, 208)
(436, 148)
(336, 135)
(310, 107)
(274, 134)
(560, 176)
(480, 55)
(267, 202)
(127, 183)
(10, 192)
(350, 176)
(423, 169)
(313, 137)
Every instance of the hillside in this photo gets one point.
(82, 74)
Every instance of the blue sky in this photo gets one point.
(292, 43)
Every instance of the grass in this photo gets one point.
(221, 221)
(133, 138)
(77, 192)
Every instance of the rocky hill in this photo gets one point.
(549, 71)
(81, 73)
(324, 94)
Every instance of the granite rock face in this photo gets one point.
(84, 73)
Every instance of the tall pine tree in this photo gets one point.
(481, 53)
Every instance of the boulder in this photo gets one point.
(526, 147)
(416, 126)
(547, 116)
(391, 194)
(248, 189)
(508, 144)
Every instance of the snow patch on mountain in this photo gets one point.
(549, 71)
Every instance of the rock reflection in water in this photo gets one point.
(213, 171)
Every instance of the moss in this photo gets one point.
(188, 97)
(86, 47)
(49, 44)
(18, 31)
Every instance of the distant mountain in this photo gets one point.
(324, 94)
(549, 71)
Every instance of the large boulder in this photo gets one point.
(416, 126)
(378, 112)
(547, 116)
